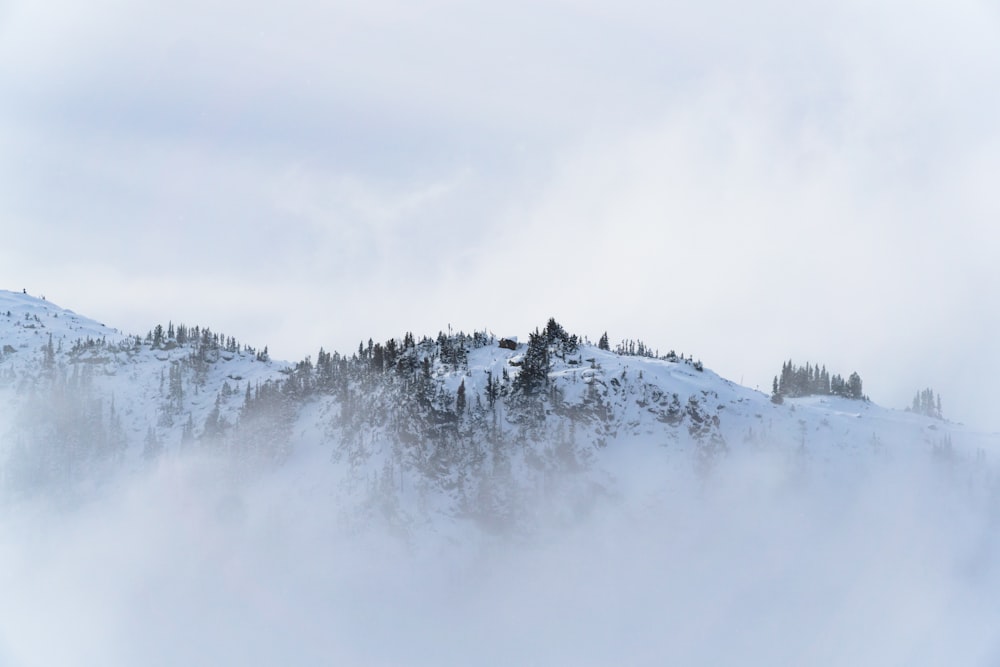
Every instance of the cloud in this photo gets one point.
(793, 172)
(766, 561)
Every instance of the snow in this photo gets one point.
(820, 425)
(131, 377)
(829, 531)
(638, 391)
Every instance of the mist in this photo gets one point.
(768, 559)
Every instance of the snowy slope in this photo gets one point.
(82, 398)
(631, 510)
(638, 391)
(111, 373)
(28, 321)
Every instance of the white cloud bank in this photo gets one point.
(769, 563)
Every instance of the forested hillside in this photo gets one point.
(465, 425)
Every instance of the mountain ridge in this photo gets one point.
(456, 425)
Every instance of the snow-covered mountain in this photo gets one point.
(464, 426)
(177, 497)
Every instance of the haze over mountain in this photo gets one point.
(798, 197)
(461, 422)
(178, 496)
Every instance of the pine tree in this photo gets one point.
(926, 403)
(50, 354)
(460, 399)
(187, 431)
(602, 344)
(492, 389)
(534, 374)
(854, 389)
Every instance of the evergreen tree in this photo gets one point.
(391, 353)
(50, 354)
(460, 399)
(534, 375)
(492, 389)
(554, 332)
(187, 431)
(926, 403)
(812, 380)
(854, 389)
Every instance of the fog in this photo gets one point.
(768, 560)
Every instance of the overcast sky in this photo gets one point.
(744, 182)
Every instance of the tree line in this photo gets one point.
(809, 380)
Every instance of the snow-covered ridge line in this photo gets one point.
(454, 423)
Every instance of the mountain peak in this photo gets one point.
(472, 421)
(25, 319)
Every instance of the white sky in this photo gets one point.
(745, 182)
